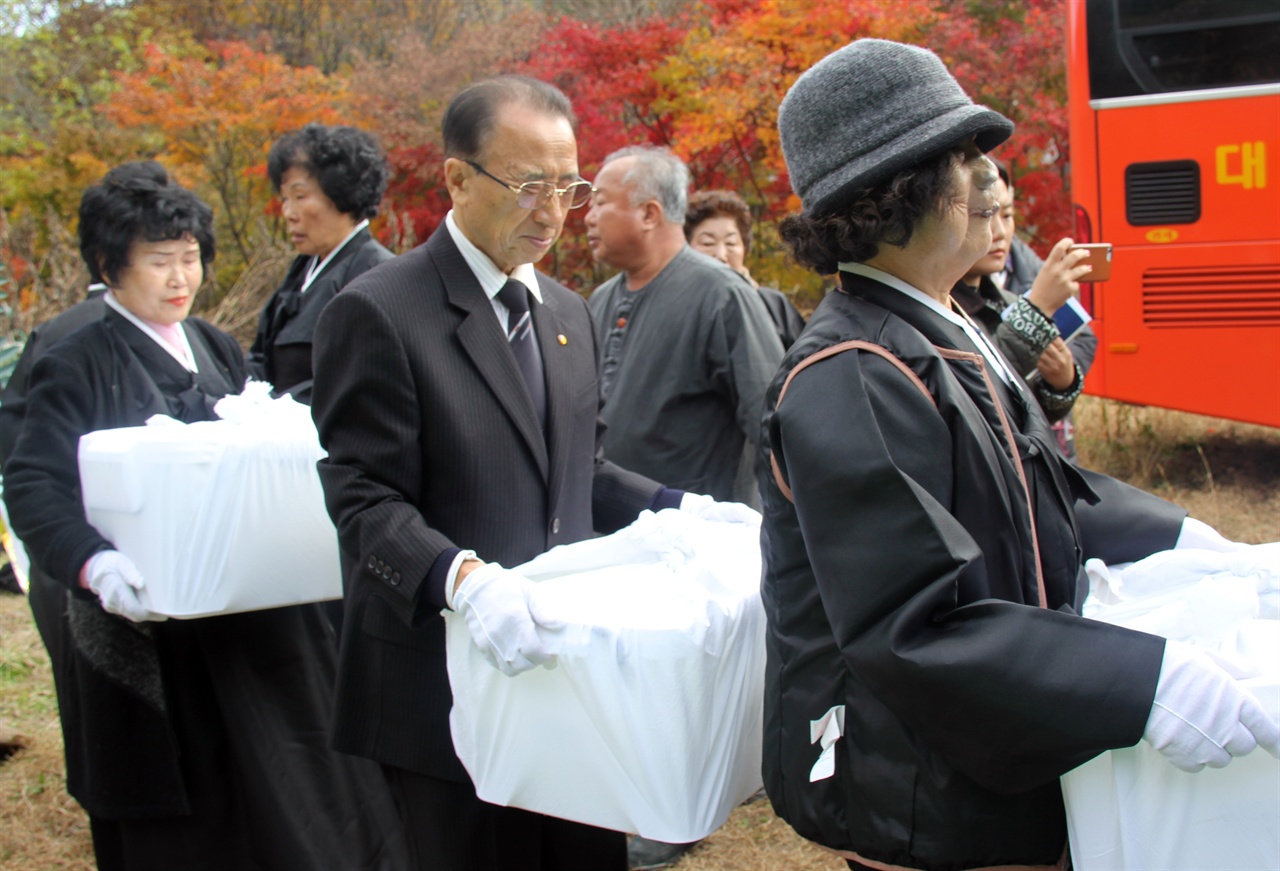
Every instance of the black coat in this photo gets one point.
(157, 717)
(1024, 266)
(786, 318)
(902, 583)
(433, 444)
(13, 400)
(281, 351)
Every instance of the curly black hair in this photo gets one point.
(138, 202)
(346, 162)
(884, 214)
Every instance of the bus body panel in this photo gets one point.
(1191, 316)
(1178, 334)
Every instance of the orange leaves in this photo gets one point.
(736, 69)
(215, 113)
(232, 92)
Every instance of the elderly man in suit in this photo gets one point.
(457, 395)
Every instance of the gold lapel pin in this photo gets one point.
(562, 339)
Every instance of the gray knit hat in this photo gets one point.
(869, 110)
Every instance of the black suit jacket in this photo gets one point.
(433, 444)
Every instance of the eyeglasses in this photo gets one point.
(536, 194)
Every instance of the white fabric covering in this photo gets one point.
(650, 722)
(218, 516)
(1131, 808)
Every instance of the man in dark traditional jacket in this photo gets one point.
(687, 347)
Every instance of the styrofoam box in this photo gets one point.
(218, 516)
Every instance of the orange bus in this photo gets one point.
(1175, 139)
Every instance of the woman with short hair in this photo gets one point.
(928, 679)
(195, 744)
(718, 224)
(330, 181)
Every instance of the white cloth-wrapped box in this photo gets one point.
(651, 720)
(218, 516)
(1131, 809)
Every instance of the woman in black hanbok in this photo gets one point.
(928, 676)
(194, 744)
(330, 181)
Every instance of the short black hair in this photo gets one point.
(346, 162)
(138, 202)
(884, 214)
(138, 170)
(469, 120)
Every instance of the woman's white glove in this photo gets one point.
(1202, 716)
(1201, 536)
(503, 619)
(720, 512)
(116, 581)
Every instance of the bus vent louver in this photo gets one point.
(1162, 193)
(1211, 296)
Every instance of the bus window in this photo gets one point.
(1161, 46)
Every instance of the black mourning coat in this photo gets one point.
(281, 351)
(902, 583)
(153, 712)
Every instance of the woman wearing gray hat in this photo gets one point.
(928, 677)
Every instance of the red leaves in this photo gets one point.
(706, 82)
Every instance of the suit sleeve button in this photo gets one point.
(373, 562)
(395, 579)
(555, 526)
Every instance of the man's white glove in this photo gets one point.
(721, 512)
(116, 581)
(1202, 716)
(503, 619)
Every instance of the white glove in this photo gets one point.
(503, 619)
(1202, 716)
(116, 580)
(720, 512)
(1201, 536)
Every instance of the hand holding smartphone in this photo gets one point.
(1098, 260)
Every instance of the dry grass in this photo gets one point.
(237, 311)
(754, 839)
(41, 827)
(1227, 473)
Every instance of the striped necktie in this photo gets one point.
(515, 296)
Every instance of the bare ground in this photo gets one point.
(1227, 474)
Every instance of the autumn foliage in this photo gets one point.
(205, 86)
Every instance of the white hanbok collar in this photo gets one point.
(183, 355)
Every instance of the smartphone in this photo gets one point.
(1099, 260)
